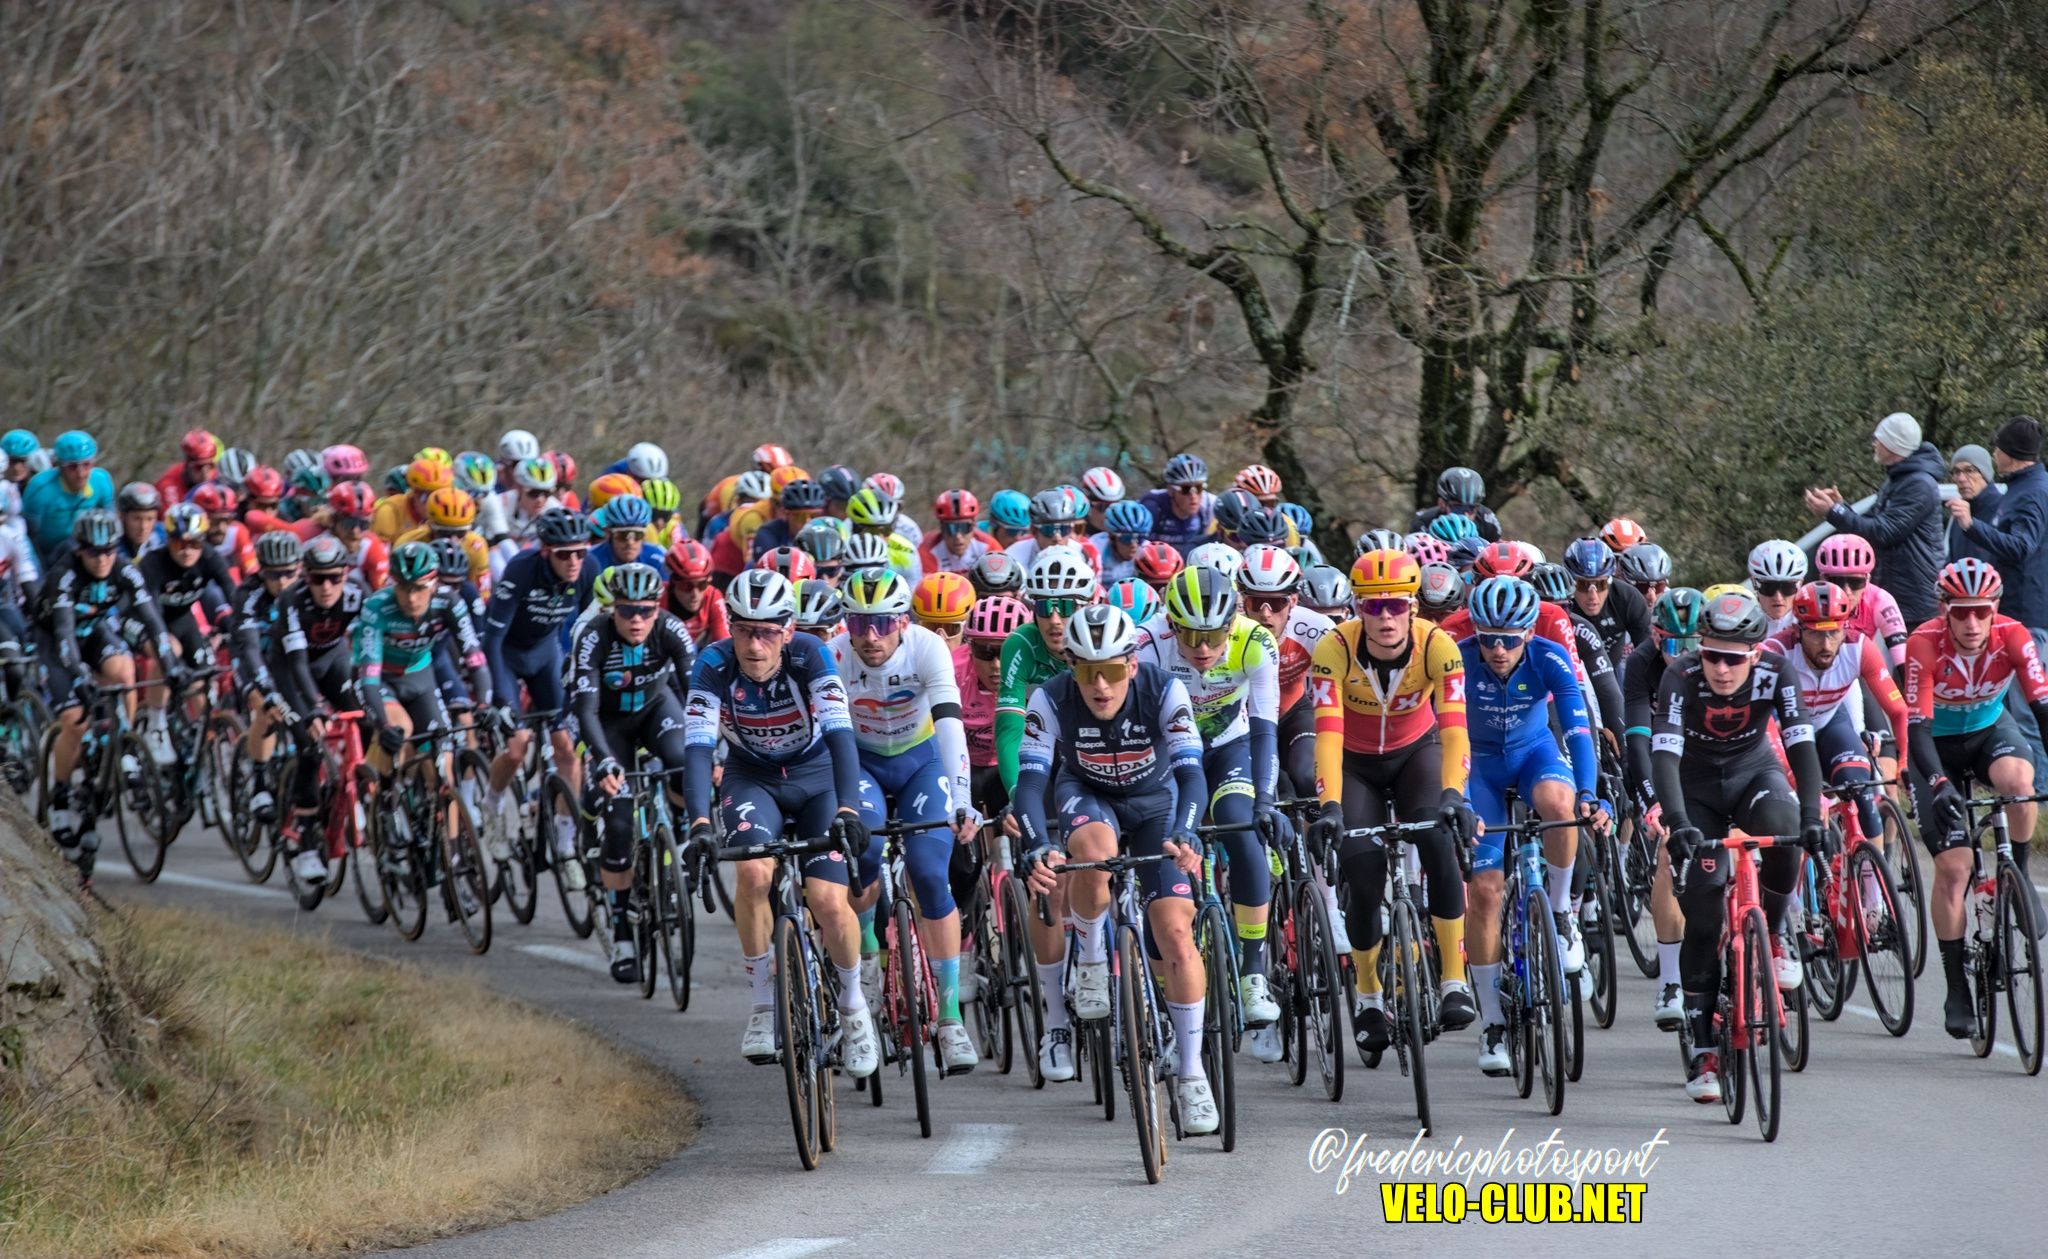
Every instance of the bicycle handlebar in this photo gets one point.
(1115, 865)
(1999, 802)
(1391, 828)
(1748, 843)
(1534, 827)
(897, 830)
(1850, 789)
(777, 848)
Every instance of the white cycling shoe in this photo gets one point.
(1571, 943)
(1056, 1054)
(956, 1049)
(1091, 990)
(1264, 1043)
(1257, 1001)
(1785, 962)
(309, 866)
(1197, 1106)
(862, 1051)
(1493, 1051)
(158, 740)
(495, 841)
(757, 1043)
(1670, 1009)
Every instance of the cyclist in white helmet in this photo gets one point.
(1776, 571)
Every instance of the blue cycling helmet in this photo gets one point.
(840, 483)
(1185, 470)
(1304, 522)
(1133, 596)
(1128, 516)
(1466, 551)
(627, 511)
(1453, 528)
(76, 446)
(802, 496)
(1263, 524)
(20, 444)
(1588, 558)
(1504, 603)
(1010, 509)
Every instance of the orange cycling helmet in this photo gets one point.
(427, 475)
(946, 598)
(1385, 573)
(783, 476)
(450, 508)
(1621, 533)
(770, 457)
(1259, 481)
(610, 486)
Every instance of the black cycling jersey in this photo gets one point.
(1693, 726)
(81, 603)
(1489, 526)
(1600, 674)
(614, 676)
(255, 614)
(313, 646)
(1640, 674)
(206, 583)
(1624, 621)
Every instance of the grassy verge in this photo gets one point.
(293, 1099)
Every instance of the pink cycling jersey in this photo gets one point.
(1877, 617)
(977, 709)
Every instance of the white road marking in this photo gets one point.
(121, 867)
(577, 957)
(970, 1149)
(1868, 1013)
(786, 1248)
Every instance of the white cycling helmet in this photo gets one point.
(761, 594)
(647, 462)
(1101, 631)
(1102, 485)
(1268, 570)
(752, 487)
(1534, 552)
(865, 550)
(1378, 540)
(1060, 573)
(518, 444)
(1219, 556)
(1777, 560)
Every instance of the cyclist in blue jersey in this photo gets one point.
(1511, 678)
(774, 696)
(1184, 512)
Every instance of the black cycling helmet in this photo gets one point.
(451, 561)
(1263, 524)
(839, 482)
(97, 527)
(1232, 506)
(280, 548)
(802, 496)
(1644, 564)
(1553, 584)
(635, 583)
(325, 553)
(997, 573)
(1735, 617)
(139, 496)
(1462, 486)
(1442, 590)
(558, 526)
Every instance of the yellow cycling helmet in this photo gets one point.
(1385, 573)
(662, 496)
(1714, 592)
(434, 454)
(601, 589)
(450, 508)
(424, 476)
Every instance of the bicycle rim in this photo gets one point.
(1903, 850)
(1407, 995)
(465, 876)
(2019, 952)
(398, 864)
(578, 906)
(146, 841)
(1139, 1050)
(1633, 889)
(1546, 985)
(1213, 932)
(1887, 961)
(1829, 979)
(796, 1017)
(1767, 1055)
(912, 1032)
(1605, 980)
(1026, 999)
(678, 924)
(519, 877)
(1734, 1067)
(1322, 993)
(369, 884)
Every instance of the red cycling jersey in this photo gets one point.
(708, 623)
(1961, 693)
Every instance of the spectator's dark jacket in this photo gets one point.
(1904, 527)
(1983, 507)
(2013, 543)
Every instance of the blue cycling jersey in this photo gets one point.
(1509, 713)
(529, 605)
(798, 715)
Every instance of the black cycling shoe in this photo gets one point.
(1373, 1031)
(1457, 1010)
(626, 970)
(1958, 1013)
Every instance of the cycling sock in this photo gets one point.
(1187, 1037)
(494, 799)
(1699, 1010)
(1052, 980)
(615, 897)
(1667, 962)
(1367, 963)
(946, 972)
(1952, 965)
(1486, 987)
(1558, 882)
(869, 945)
(1090, 942)
(761, 974)
(1450, 946)
(1776, 906)
(1251, 942)
(851, 998)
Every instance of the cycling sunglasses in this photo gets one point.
(1726, 659)
(1193, 638)
(1188, 489)
(1087, 671)
(875, 531)
(576, 549)
(1387, 605)
(944, 629)
(635, 611)
(1062, 530)
(871, 624)
(1849, 581)
(986, 650)
(1973, 611)
(831, 572)
(1590, 584)
(1502, 642)
(1063, 607)
(333, 577)
(1777, 589)
(626, 535)
(358, 523)
(691, 587)
(1268, 603)
(528, 492)
(95, 552)
(1125, 539)
(281, 574)
(801, 517)
(758, 629)
(424, 583)
(957, 528)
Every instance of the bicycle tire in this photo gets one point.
(796, 1015)
(147, 839)
(1912, 881)
(640, 901)
(1575, 1027)
(1218, 1056)
(20, 743)
(2019, 957)
(1766, 1058)
(1636, 886)
(981, 963)
(1026, 998)
(519, 875)
(1887, 961)
(1604, 991)
(1140, 1043)
(465, 874)
(398, 871)
(1795, 1041)
(579, 906)
(1405, 982)
(252, 845)
(912, 1031)
(1830, 978)
(46, 748)
(677, 914)
(1323, 992)
(1734, 1064)
(364, 867)
(1546, 1004)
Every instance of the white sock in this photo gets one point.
(1667, 962)
(1559, 886)
(1187, 1036)
(761, 974)
(1578, 903)
(1091, 941)
(494, 799)
(1370, 1000)
(851, 997)
(1486, 987)
(1052, 978)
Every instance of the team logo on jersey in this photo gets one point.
(1181, 722)
(1454, 690)
(1117, 767)
(1725, 721)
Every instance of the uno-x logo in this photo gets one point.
(1324, 692)
(1454, 689)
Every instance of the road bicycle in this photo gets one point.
(424, 835)
(339, 826)
(1408, 967)
(1222, 1011)
(1006, 989)
(910, 995)
(116, 776)
(2001, 936)
(1533, 983)
(1749, 1015)
(658, 908)
(1846, 920)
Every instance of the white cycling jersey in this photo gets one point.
(1243, 683)
(1113, 569)
(910, 697)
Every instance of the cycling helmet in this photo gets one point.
(871, 506)
(865, 550)
(1048, 507)
(1677, 612)
(1442, 589)
(1101, 632)
(1453, 528)
(752, 487)
(796, 496)
(1157, 562)
(1259, 481)
(1534, 552)
(20, 444)
(636, 583)
(311, 480)
(325, 554)
(1777, 560)
(1201, 598)
(76, 446)
(760, 594)
(280, 548)
(1264, 526)
(996, 618)
(1466, 551)
(565, 467)
(887, 482)
(769, 457)
(534, 474)
(558, 526)
(840, 481)
(1426, 549)
(610, 486)
(424, 476)
(1325, 589)
(876, 591)
(454, 561)
(601, 589)
(1232, 506)
(1010, 509)
(234, 465)
(1220, 556)
(819, 609)
(647, 462)
(1821, 605)
(451, 509)
(1735, 617)
(139, 496)
(1304, 521)
(1185, 470)
(1378, 540)
(1127, 516)
(997, 573)
(1059, 573)
(353, 499)
(200, 446)
(1720, 588)
(943, 597)
(1503, 559)
(1845, 554)
(1553, 584)
(1645, 564)
(1587, 558)
(1134, 597)
(474, 471)
(213, 498)
(689, 560)
(1462, 486)
(1970, 580)
(1621, 533)
(626, 512)
(1386, 572)
(185, 522)
(1504, 603)
(822, 539)
(346, 463)
(953, 505)
(41, 461)
(100, 527)
(1102, 485)
(790, 562)
(1268, 570)
(517, 446)
(303, 458)
(398, 480)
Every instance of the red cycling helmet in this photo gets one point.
(689, 559)
(1821, 605)
(200, 446)
(352, 498)
(1157, 562)
(565, 468)
(1621, 533)
(1970, 580)
(1503, 559)
(213, 498)
(262, 482)
(791, 563)
(957, 505)
(997, 618)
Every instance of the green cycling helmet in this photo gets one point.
(413, 562)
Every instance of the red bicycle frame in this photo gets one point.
(1741, 898)
(345, 809)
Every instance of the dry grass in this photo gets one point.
(295, 1099)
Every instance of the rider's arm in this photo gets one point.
(1262, 705)
(64, 624)
(935, 665)
(1667, 747)
(468, 649)
(1446, 665)
(1606, 695)
(1184, 753)
(249, 639)
(144, 608)
(828, 708)
(700, 731)
(1327, 666)
(1882, 690)
(1795, 730)
(1921, 757)
(295, 677)
(1571, 710)
(504, 606)
(1013, 690)
(1038, 743)
(366, 658)
(583, 696)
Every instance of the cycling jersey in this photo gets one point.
(129, 550)
(1027, 549)
(1371, 706)
(1507, 713)
(236, 546)
(1027, 662)
(1823, 690)
(1690, 720)
(1482, 517)
(474, 548)
(1152, 739)
(386, 639)
(396, 514)
(614, 677)
(1877, 617)
(1305, 628)
(707, 624)
(174, 484)
(206, 583)
(1238, 696)
(934, 556)
(1182, 533)
(906, 700)
(48, 508)
(1640, 674)
(82, 606)
(1623, 622)
(522, 628)
(1958, 694)
(314, 647)
(796, 717)
(1552, 623)
(1601, 687)
(977, 710)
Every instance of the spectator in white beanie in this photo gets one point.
(1904, 525)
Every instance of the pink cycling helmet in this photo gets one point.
(1427, 549)
(1845, 553)
(996, 618)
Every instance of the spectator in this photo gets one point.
(1975, 477)
(55, 496)
(2010, 538)
(1904, 525)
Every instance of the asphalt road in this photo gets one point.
(1888, 1147)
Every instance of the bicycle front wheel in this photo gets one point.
(398, 862)
(1322, 987)
(913, 1026)
(1638, 874)
(1212, 929)
(2019, 956)
(579, 904)
(1602, 978)
(1764, 1016)
(1904, 850)
(796, 1015)
(1402, 977)
(466, 879)
(1023, 999)
(1138, 1031)
(1546, 1004)
(1884, 934)
(519, 874)
(675, 913)
(144, 815)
